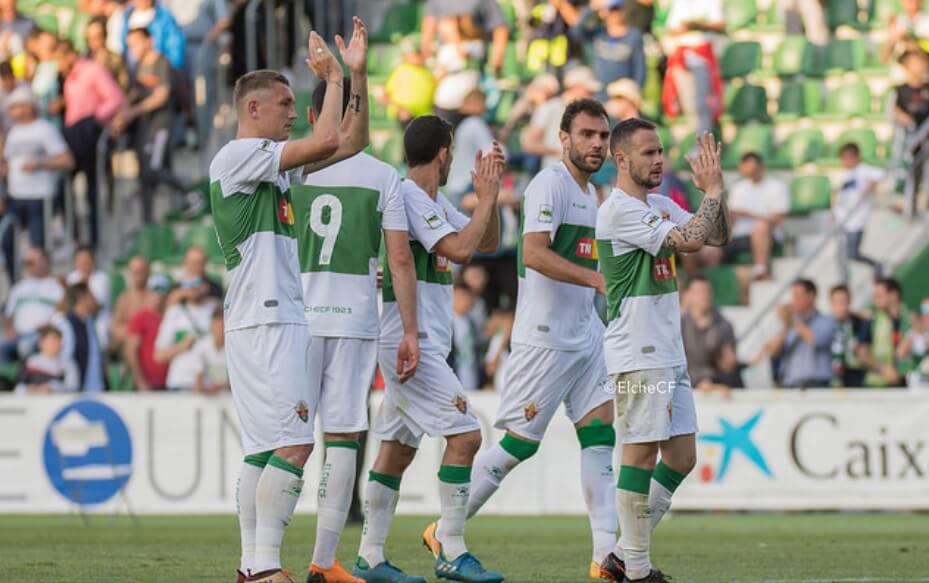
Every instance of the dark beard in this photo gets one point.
(581, 163)
(644, 179)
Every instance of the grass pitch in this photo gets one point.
(701, 548)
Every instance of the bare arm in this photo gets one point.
(427, 35)
(501, 36)
(164, 355)
(403, 276)
(63, 161)
(491, 239)
(537, 255)
(569, 13)
(131, 356)
(532, 140)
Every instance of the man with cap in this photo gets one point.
(624, 100)
(34, 155)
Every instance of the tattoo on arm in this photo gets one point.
(700, 228)
(355, 102)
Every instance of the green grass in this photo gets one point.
(699, 548)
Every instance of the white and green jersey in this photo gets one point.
(254, 219)
(549, 313)
(429, 221)
(340, 213)
(643, 309)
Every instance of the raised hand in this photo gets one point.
(488, 168)
(355, 55)
(706, 166)
(321, 61)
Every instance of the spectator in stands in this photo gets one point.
(410, 88)
(471, 136)
(135, 297)
(457, 66)
(915, 348)
(210, 352)
(112, 12)
(911, 110)
(906, 30)
(483, 16)
(8, 84)
(149, 112)
(14, 29)
(34, 155)
(30, 305)
(99, 51)
(550, 46)
(499, 331)
(758, 204)
(183, 324)
(709, 341)
(148, 374)
(465, 355)
(847, 368)
(43, 71)
(693, 81)
(803, 347)
(85, 271)
(542, 136)
(618, 49)
(808, 18)
(193, 271)
(852, 202)
(202, 55)
(476, 277)
(46, 371)
(167, 37)
(91, 99)
(624, 100)
(537, 93)
(881, 338)
(79, 337)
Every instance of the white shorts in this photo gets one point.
(432, 402)
(345, 369)
(268, 372)
(537, 380)
(654, 405)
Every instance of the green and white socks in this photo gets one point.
(276, 497)
(664, 483)
(597, 481)
(493, 464)
(381, 496)
(454, 491)
(246, 486)
(334, 498)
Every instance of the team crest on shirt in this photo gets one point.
(530, 411)
(460, 403)
(651, 220)
(303, 411)
(433, 220)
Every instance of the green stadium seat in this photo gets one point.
(392, 150)
(725, 284)
(119, 379)
(795, 56)
(748, 103)
(842, 12)
(846, 55)
(846, 101)
(757, 138)
(400, 20)
(383, 58)
(740, 59)
(203, 236)
(864, 138)
(880, 11)
(809, 193)
(667, 142)
(302, 100)
(512, 66)
(155, 242)
(47, 21)
(505, 106)
(739, 14)
(799, 98)
(800, 147)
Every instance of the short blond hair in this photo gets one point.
(255, 81)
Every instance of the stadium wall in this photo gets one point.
(761, 450)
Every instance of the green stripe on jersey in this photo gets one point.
(576, 243)
(634, 274)
(428, 270)
(338, 228)
(238, 216)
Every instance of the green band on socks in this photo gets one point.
(347, 443)
(518, 448)
(282, 464)
(392, 482)
(259, 460)
(634, 479)
(455, 474)
(597, 433)
(667, 477)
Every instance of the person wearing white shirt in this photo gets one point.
(852, 201)
(30, 305)
(183, 325)
(210, 352)
(758, 205)
(85, 271)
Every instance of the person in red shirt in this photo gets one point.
(141, 332)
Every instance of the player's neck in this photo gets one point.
(425, 177)
(632, 189)
(580, 177)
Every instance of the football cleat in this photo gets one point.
(239, 576)
(271, 576)
(430, 541)
(383, 573)
(465, 568)
(612, 568)
(654, 576)
(334, 574)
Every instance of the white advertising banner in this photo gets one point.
(761, 450)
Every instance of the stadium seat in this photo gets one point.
(846, 55)
(799, 98)
(748, 103)
(119, 379)
(667, 142)
(800, 147)
(725, 284)
(739, 14)
(757, 138)
(155, 242)
(880, 11)
(303, 100)
(740, 59)
(505, 106)
(864, 138)
(809, 193)
(382, 59)
(795, 56)
(392, 150)
(842, 13)
(846, 101)
(399, 20)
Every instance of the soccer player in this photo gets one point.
(637, 236)
(557, 352)
(433, 401)
(267, 339)
(341, 212)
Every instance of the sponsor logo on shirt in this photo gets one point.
(442, 264)
(586, 248)
(651, 220)
(433, 220)
(663, 269)
(285, 212)
(545, 213)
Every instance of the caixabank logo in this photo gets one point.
(734, 438)
(87, 452)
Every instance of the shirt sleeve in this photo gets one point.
(455, 217)
(426, 223)
(165, 338)
(54, 143)
(247, 163)
(491, 15)
(394, 217)
(541, 211)
(781, 198)
(641, 227)
(672, 211)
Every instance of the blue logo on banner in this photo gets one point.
(87, 452)
(735, 437)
